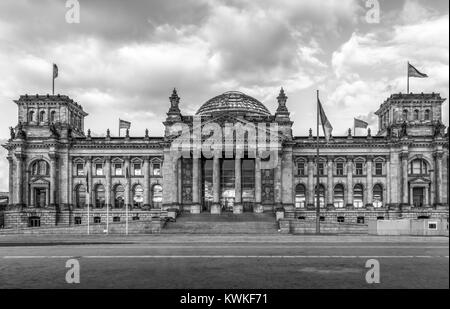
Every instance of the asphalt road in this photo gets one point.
(224, 262)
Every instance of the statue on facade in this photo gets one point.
(437, 129)
(404, 132)
(12, 133)
(20, 132)
(54, 131)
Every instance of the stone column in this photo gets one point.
(387, 200)
(146, 188)
(91, 189)
(53, 180)
(404, 159)
(127, 182)
(179, 167)
(330, 204)
(237, 208)
(195, 207)
(277, 183)
(10, 181)
(215, 207)
(20, 158)
(287, 179)
(258, 207)
(108, 187)
(349, 186)
(438, 194)
(311, 193)
(369, 182)
(70, 199)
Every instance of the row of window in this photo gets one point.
(118, 169)
(42, 117)
(338, 196)
(339, 168)
(118, 196)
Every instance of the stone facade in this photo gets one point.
(56, 169)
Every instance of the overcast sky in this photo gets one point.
(124, 57)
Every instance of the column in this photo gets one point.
(91, 189)
(70, 182)
(195, 207)
(53, 180)
(146, 168)
(349, 186)
(108, 188)
(387, 200)
(179, 168)
(215, 207)
(330, 182)
(237, 208)
(258, 207)
(404, 159)
(19, 179)
(10, 181)
(438, 158)
(311, 194)
(277, 183)
(369, 182)
(127, 182)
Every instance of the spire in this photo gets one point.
(174, 98)
(282, 98)
(282, 113)
(174, 113)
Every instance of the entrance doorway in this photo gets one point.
(40, 197)
(418, 197)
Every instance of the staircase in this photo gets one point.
(226, 223)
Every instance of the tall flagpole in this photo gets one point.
(88, 203)
(53, 84)
(126, 204)
(407, 83)
(317, 172)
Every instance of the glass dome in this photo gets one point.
(233, 102)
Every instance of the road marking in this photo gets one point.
(221, 256)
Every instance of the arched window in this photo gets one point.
(416, 114)
(427, 115)
(300, 196)
(53, 116)
(40, 168)
(42, 116)
(321, 195)
(80, 196)
(157, 196)
(31, 116)
(99, 196)
(358, 196)
(119, 196)
(405, 115)
(418, 167)
(138, 196)
(338, 196)
(377, 195)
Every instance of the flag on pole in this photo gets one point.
(326, 125)
(360, 124)
(55, 71)
(413, 72)
(123, 124)
(87, 181)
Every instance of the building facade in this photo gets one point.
(232, 156)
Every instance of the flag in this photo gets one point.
(87, 181)
(55, 71)
(360, 124)
(326, 125)
(413, 72)
(123, 124)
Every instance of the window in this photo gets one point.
(118, 169)
(321, 169)
(360, 220)
(97, 220)
(116, 219)
(137, 169)
(301, 169)
(99, 196)
(31, 116)
(432, 225)
(321, 195)
(378, 168)
(79, 169)
(157, 196)
(427, 114)
(40, 168)
(380, 218)
(80, 196)
(418, 167)
(34, 221)
(416, 114)
(301, 218)
(42, 116)
(358, 196)
(135, 217)
(77, 220)
(405, 115)
(340, 219)
(418, 196)
(53, 116)
(156, 169)
(300, 196)
(99, 169)
(338, 196)
(377, 196)
(339, 169)
(322, 219)
(119, 196)
(359, 168)
(138, 196)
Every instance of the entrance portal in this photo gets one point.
(40, 197)
(418, 197)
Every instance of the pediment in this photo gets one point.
(420, 180)
(40, 181)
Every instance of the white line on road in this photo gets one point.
(221, 256)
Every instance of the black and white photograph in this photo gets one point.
(223, 152)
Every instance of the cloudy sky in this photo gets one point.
(124, 58)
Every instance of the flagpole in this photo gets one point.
(407, 83)
(317, 173)
(88, 211)
(53, 85)
(126, 204)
